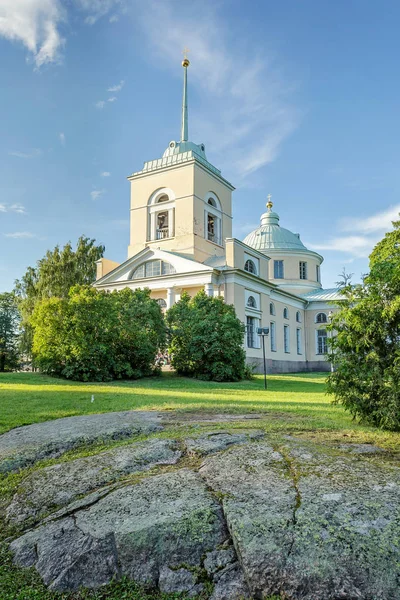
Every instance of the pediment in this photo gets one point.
(125, 270)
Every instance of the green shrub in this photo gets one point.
(98, 336)
(206, 339)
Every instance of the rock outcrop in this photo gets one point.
(263, 515)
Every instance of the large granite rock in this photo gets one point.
(310, 523)
(23, 446)
(59, 485)
(272, 516)
(165, 521)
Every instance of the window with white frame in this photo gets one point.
(278, 269)
(161, 215)
(298, 341)
(272, 331)
(251, 302)
(251, 328)
(318, 269)
(213, 222)
(285, 313)
(303, 269)
(286, 338)
(321, 318)
(298, 317)
(152, 268)
(272, 308)
(322, 341)
(250, 266)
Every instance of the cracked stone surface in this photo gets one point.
(219, 440)
(262, 516)
(135, 531)
(59, 485)
(26, 445)
(309, 523)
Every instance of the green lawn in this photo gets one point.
(295, 402)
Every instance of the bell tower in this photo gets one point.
(181, 202)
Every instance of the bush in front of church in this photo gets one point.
(206, 339)
(98, 336)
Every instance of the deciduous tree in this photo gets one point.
(9, 331)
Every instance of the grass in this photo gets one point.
(296, 402)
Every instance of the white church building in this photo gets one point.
(181, 241)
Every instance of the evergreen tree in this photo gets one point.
(365, 346)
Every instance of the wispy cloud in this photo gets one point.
(105, 174)
(116, 88)
(20, 235)
(100, 104)
(381, 221)
(112, 99)
(16, 208)
(95, 194)
(367, 231)
(34, 153)
(35, 24)
(61, 137)
(97, 8)
(250, 97)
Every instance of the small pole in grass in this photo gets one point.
(263, 332)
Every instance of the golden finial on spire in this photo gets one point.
(185, 62)
(269, 203)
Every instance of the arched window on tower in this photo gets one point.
(272, 308)
(213, 221)
(250, 266)
(298, 317)
(285, 313)
(161, 215)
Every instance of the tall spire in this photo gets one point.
(184, 128)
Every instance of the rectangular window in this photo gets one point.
(322, 341)
(303, 269)
(273, 336)
(162, 230)
(286, 340)
(298, 340)
(278, 269)
(213, 225)
(318, 274)
(251, 332)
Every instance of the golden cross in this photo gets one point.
(269, 197)
(185, 52)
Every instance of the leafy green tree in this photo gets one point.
(365, 347)
(53, 276)
(206, 339)
(98, 336)
(9, 332)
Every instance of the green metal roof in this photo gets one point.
(271, 236)
(324, 295)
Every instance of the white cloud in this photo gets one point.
(246, 95)
(116, 88)
(34, 153)
(378, 222)
(100, 104)
(359, 246)
(62, 138)
(105, 174)
(35, 24)
(113, 19)
(112, 99)
(97, 8)
(95, 194)
(21, 235)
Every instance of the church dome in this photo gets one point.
(271, 236)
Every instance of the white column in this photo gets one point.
(209, 289)
(170, 297)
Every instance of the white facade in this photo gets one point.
(181, 240)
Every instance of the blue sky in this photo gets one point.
(296, 99)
